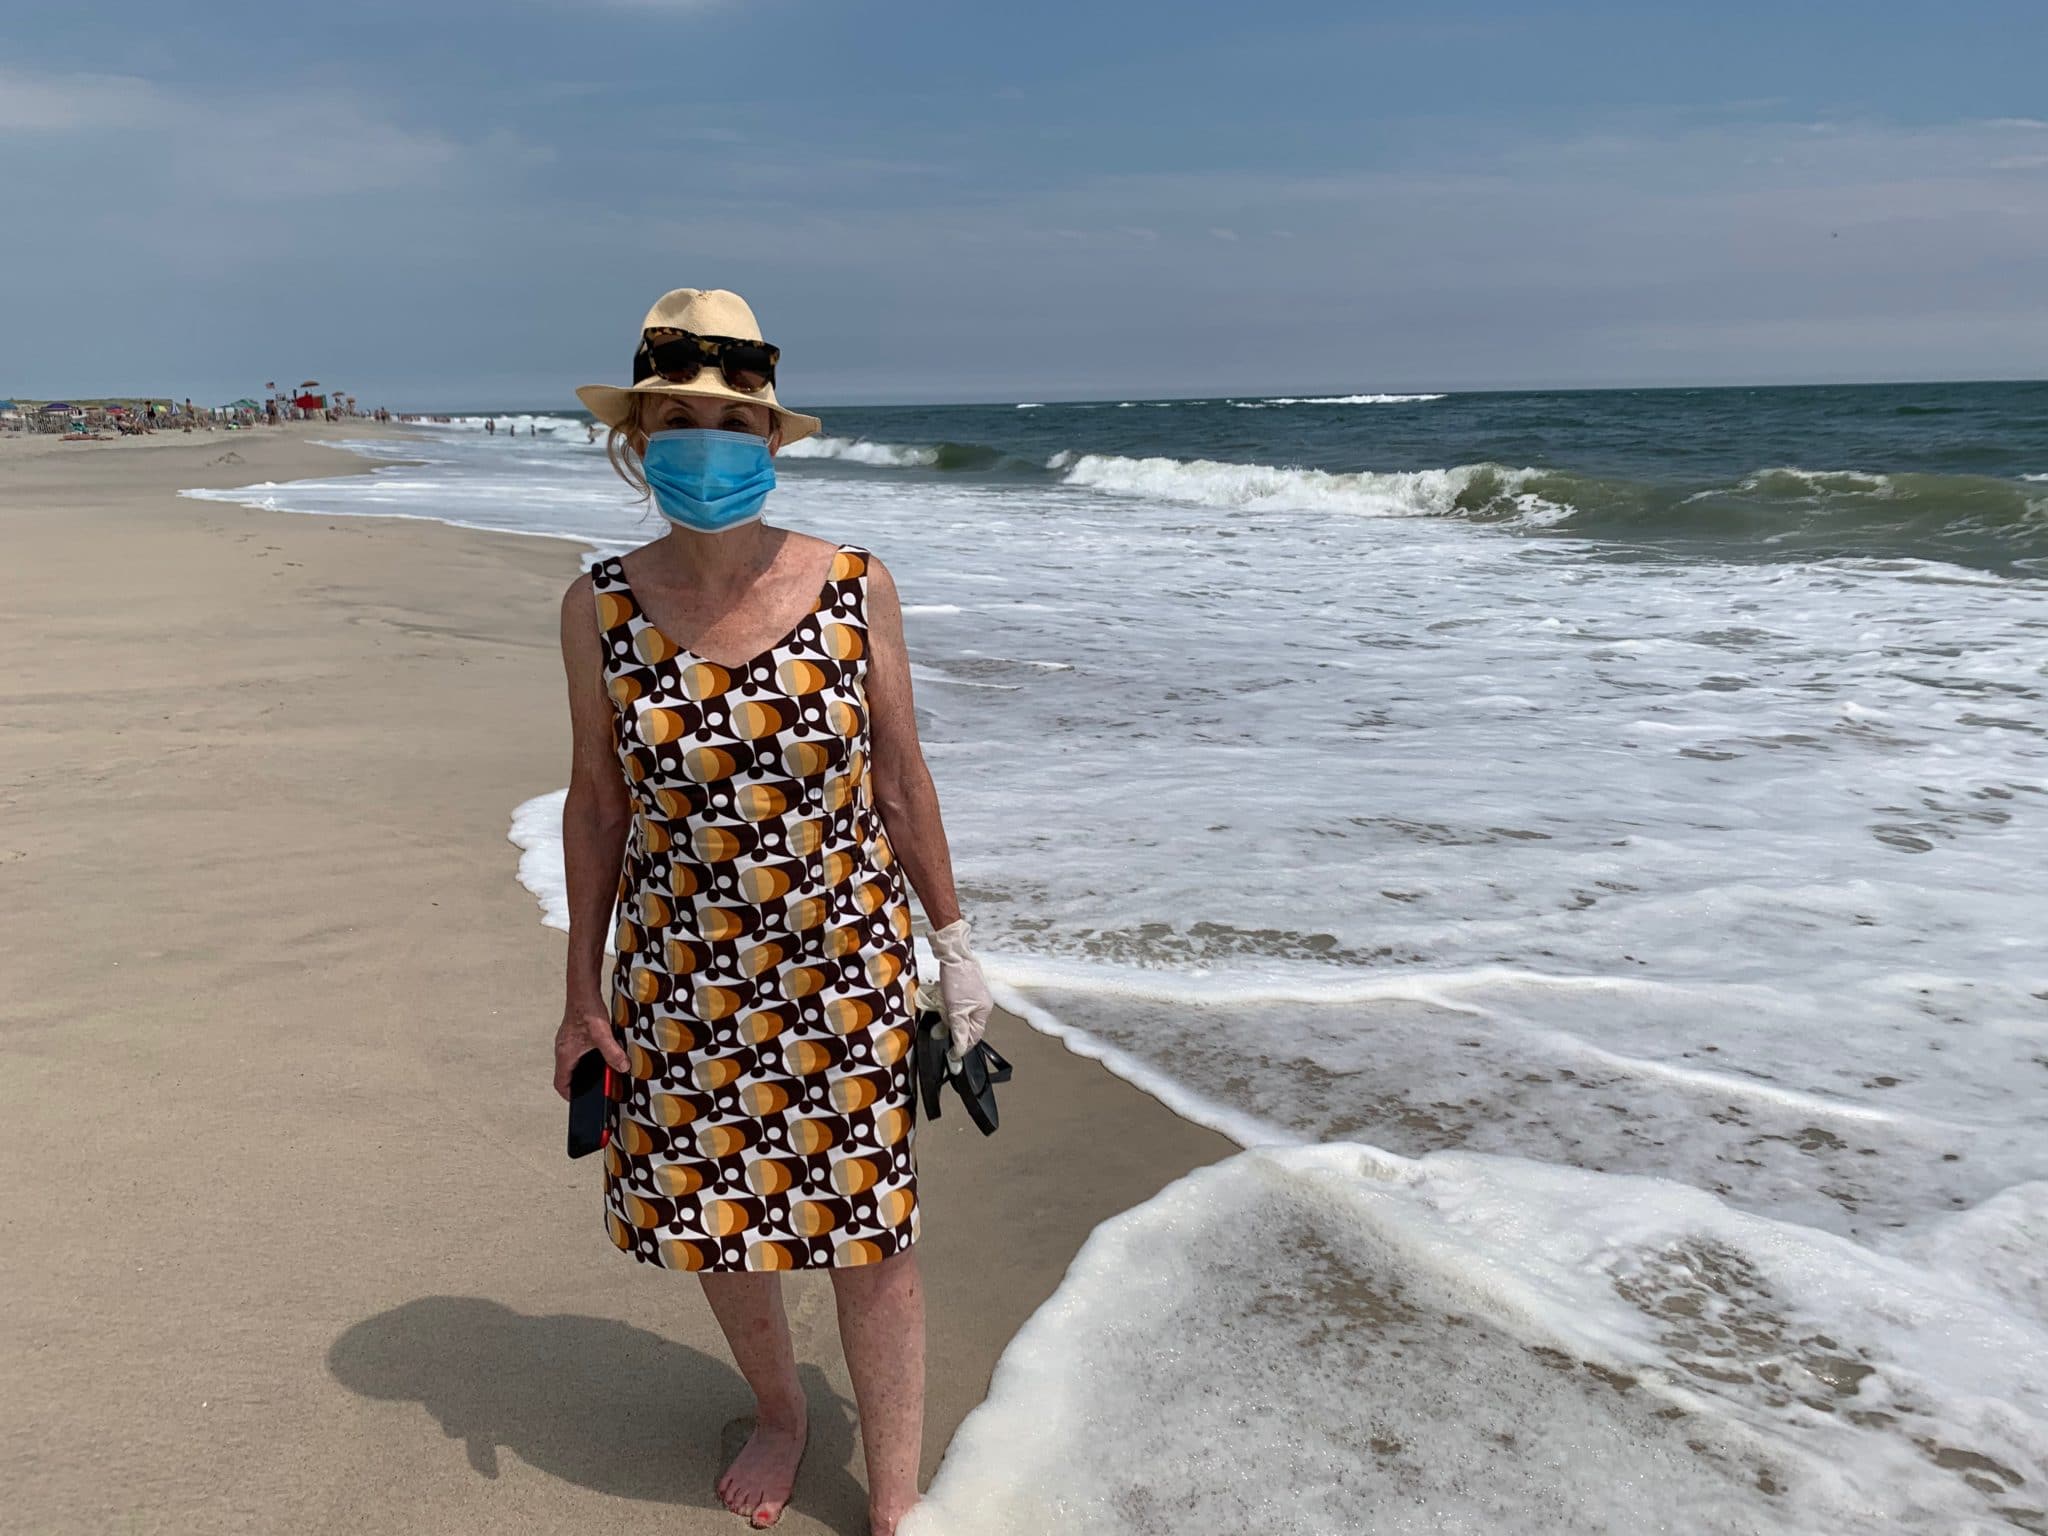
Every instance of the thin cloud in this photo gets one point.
(39, 105)
(247, 156)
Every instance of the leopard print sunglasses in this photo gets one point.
(679, 356)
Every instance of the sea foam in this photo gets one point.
(1461, 1342)
(537, 833)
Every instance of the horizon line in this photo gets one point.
(1440, 391)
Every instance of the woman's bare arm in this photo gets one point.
(595, 820)
(905, 796)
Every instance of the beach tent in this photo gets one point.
(59, 407)
(243, 404)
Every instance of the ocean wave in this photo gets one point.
(1272, 401)
(1471, 490)
(1350, 399)
(1778, 512)
(1791, 480)
(1974, 519)
(946, 457)
(861, 451)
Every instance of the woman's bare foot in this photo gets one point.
(758, 1483)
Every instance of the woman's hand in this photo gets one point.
(586, 1026)
(963, 990)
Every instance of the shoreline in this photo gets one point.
(308, 1040)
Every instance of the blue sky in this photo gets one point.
(461, 204)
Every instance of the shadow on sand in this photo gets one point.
(592, 1401)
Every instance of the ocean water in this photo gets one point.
(1590, 848)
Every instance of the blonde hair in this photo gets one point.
(624, 445)
(624, 452)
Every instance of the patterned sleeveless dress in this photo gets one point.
(765, 980)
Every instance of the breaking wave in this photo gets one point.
(945, 457)
(1472, 490)
(1778, 512)
(1262, 404)
(1782, 512)
(861, 451)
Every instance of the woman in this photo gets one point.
(748, 786)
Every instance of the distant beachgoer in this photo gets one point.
(491, 425)
(590, 433)
(760, 808)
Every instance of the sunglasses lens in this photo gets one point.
(676, 361)
(747, 367)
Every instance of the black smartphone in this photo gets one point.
(591, 1090)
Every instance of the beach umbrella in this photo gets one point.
(58, 405)
(309, 383)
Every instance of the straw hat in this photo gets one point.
(708, 312)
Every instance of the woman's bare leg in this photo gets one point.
(749, 1310)
(881, 1328)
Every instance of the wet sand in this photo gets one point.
(288, 1237)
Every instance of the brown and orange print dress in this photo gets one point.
(765, 979)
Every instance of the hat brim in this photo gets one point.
(615, 404)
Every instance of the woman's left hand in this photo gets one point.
(963, 990)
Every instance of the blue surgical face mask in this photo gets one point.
(707, 478)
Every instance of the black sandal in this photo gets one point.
(975, 1078)
(932, 1041)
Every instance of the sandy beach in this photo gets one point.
(289, 1238)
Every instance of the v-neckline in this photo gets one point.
(817, 602)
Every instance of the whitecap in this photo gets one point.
(861, 451)
(1265, 487)
(1350, 399)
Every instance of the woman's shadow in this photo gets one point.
(595, 1402)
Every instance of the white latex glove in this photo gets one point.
(963, 990)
